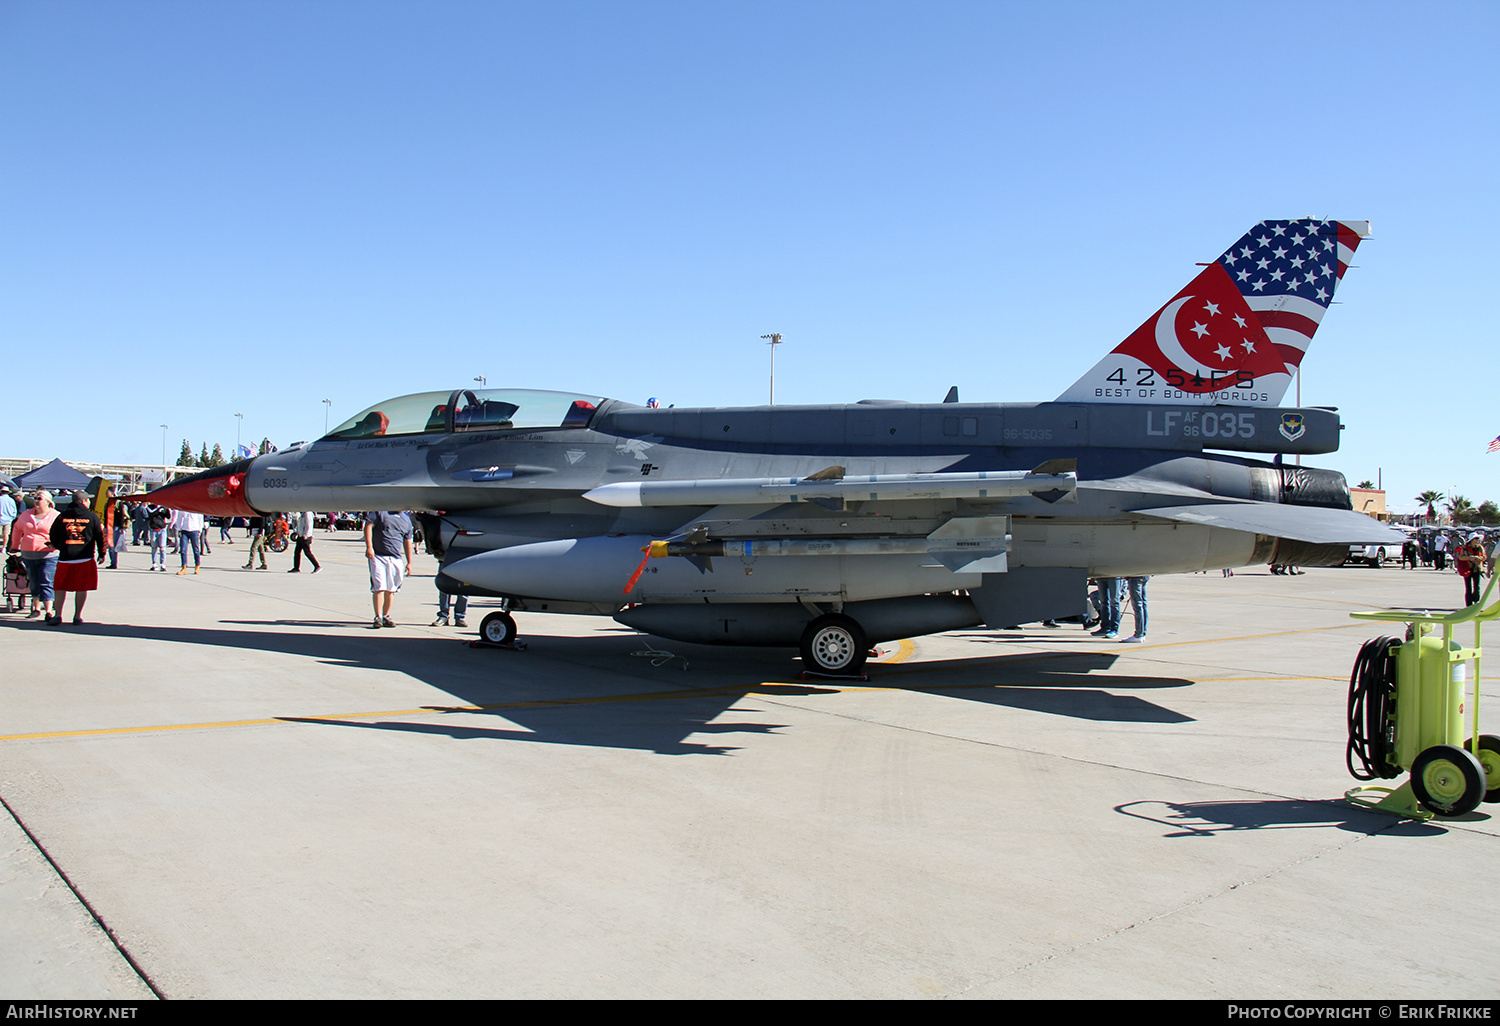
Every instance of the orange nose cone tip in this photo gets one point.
(213, 493)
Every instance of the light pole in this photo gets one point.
(481, 380)
(239, 422)
(775, 341)
(327, 405)
(164, 450)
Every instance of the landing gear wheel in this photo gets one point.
(835, 645)
(1489, 760)
(1448, 780)
(499, 628)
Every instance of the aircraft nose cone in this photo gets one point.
(219, 492)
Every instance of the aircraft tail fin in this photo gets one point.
(1237, 332)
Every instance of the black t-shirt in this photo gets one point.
(77, 534)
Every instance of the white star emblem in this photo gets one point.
(1258, 285)
(1239, 320)
(1199, 329)
(1212, 308)
(1223, 353)
(1249, 346)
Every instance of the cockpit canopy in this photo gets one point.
(484, 409)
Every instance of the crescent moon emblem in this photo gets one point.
(1171, 347)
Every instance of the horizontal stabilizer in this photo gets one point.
(1315, 524)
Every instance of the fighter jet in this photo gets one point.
(836, 527)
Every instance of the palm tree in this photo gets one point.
(1429, 498)
(1459, 509)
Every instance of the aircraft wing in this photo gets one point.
(1315, 524)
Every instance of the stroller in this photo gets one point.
(277, 532)
(17, 584)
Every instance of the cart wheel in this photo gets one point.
(1448, 780)
(1489, 759)
(498, 628)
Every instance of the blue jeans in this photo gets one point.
(184, 539)
(460, 605)
(158, 546)
(39, 572)
(1109, 588)
(1138, 603)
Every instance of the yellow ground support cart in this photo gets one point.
(1407, 704)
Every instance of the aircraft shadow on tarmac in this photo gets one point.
(589, 691)
(1209, 819)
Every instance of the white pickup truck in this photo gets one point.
(1373, 555)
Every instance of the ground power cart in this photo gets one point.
(1412, 710)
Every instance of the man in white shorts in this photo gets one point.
(388, 547)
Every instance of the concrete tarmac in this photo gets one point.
(226, 785)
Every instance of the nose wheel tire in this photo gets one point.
(834, 644)
(1448, 780)
(499, 628)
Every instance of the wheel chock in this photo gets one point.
(512, 646)
(815, 675)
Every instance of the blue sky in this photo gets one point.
(211, 208)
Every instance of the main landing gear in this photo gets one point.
(834, 646)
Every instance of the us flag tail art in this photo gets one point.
(1237, 332)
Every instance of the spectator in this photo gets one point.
(1137, 586)
(140, 514)
(78, 536)
(257, 543)
(31, 535)
(302, 533)
(1109, 608)
(8, 511)
(157, 518)
(1468, 560)
(388, 548)
(189, 529)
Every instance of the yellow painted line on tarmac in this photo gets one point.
(652, 696)
(771, 689)
(187, 726)
(905, 650)
(1250, 637)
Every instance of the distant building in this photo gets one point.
(1369, 500)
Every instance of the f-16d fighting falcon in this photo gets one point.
(836, 527)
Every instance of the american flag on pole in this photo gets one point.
(1494, 445)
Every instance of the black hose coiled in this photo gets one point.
(1372, 696)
